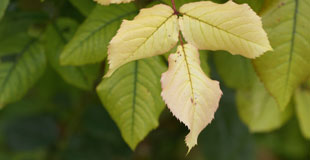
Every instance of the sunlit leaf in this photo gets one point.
(189, 94)
(231, 27)
(153, 31)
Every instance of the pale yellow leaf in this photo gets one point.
(152, 32)
(107, 2)
(190, 95)
(230, 26)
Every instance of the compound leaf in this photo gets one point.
(284, 69)
(89, 44)
(230, 26)
(132, 98)
(189, 94)
(153, 31)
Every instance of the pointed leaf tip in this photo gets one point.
(191, 96)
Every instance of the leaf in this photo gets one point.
(18, 73)
(302, 100)
(107, 2)
(3, 5)
(236, 72)
(132, 98)
(283, 70)
(84, 6)
(152, 32)
(89, 44)
(57, 35)
(256, 5)
(231, 27)
(189, 94)
(259, 110)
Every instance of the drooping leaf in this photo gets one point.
(89, 44)
(132, 98)
(19, 72)
(236, 72)
(57, 35)
(107, 2)
(231, 27)
(3, 5)
(189, 94)
(258, 109)
(84, 6)
(152, 32)
(302, 100)
(283, 70)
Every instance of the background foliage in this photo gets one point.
(53, 112)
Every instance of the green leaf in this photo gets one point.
(56, 37)
(89, 44)
(302, 100)
(84, 6)
(284, 69)
(179, 3)
(259, 111)
(132, 98)
(3, 5)
(19, 72)
(203, 56)
(236, 71)
(13, 37)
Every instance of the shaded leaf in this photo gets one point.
(3, 5)
(284, 69)
(258, 109)
(84, 6)
(89, 44)
(302, 100)
(19, 72)
(57, 35)
(132, 98)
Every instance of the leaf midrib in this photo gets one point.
(292, 46)
(247, 40)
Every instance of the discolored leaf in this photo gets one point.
(152, 32)
(231, 27)
(189, 94)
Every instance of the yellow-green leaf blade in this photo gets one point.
(132, 98)
(230, 26)
(152, 32)
(283, 70)
(258, 109)
(3, 5)
(302, 99)
(90, 42)
(189, 94)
